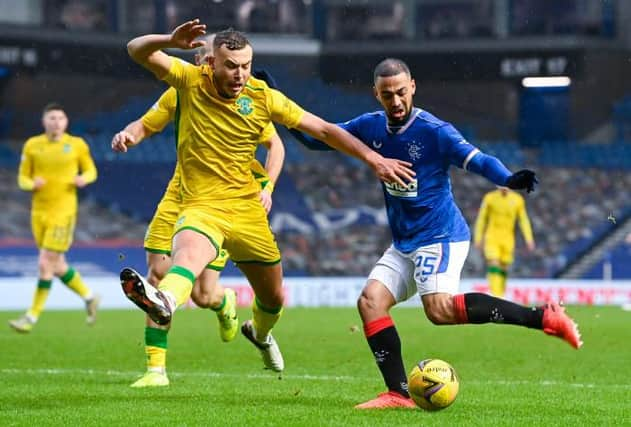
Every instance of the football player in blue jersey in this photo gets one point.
(430, 236)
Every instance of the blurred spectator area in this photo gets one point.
(328, 19)
(141, 16)
(463, 19)
(328, 212)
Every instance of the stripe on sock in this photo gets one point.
(44, 284)
(155, 337)
(496, 270)
(269, 310)
(181, 271)
(378, 325)
(460, 307)
(68, 275)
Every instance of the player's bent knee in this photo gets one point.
(371, 301)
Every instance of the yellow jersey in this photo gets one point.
(498, 214)
(58, 163)
(217, 137)
(163, 112)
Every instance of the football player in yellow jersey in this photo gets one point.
(207, 293)
(223, 115)
(495, 226)
(54, 164)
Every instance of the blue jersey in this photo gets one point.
(424, 211)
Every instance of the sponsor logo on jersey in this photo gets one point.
(67, 148)
(408, 190)
(245, 105)
(377, 144)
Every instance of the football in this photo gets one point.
(433, 384)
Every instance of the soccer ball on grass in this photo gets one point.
(433, 384)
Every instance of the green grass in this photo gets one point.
(66, 373)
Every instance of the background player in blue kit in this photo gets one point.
(430, 235)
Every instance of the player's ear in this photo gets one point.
(413, 85)
(374, 90)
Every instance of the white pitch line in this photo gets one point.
(270, 375)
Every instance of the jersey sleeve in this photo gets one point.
(355, 127)
(283, 110)
(268, 132)
(455, 147)
(181, 74)
(25, 171)
(161, 113)
(86, 164)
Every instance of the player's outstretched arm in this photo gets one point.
(388, 170)
(309, 142)
(146, 50)
(130, 136)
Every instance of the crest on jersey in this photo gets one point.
(245, 105)
(414, 150)
(67, 148)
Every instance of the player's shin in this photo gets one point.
(264, 318)
(482, 308)
(385, 344)
(177, 285)
(39, 299)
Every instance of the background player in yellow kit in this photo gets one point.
(495, 226)
(53, 165)
(207, 293)
(223, 113)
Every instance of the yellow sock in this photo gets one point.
(496, 278)
(179, 282)
(39, 299)
(264, 318)
(156, 349)
(73, 280)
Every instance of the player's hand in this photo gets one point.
(79, 181)
(38, 183)
(392, 170)
(266, 200)
(524, 179)
(478, 245)
(531, 246)
(122, 140)
(184, 36)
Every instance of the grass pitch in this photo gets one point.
(66, 373)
